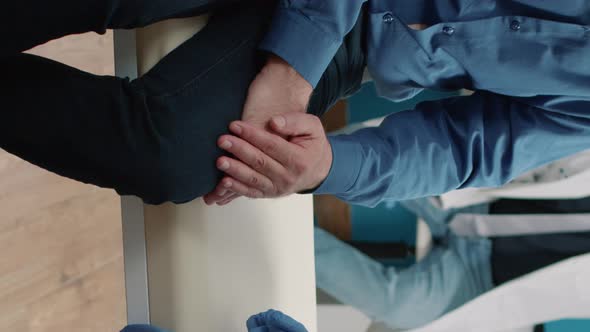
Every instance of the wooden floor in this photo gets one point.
(61, 262)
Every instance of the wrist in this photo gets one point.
(277, 65)
(283, 72)
(326, 165)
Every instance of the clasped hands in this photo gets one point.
(277, 149)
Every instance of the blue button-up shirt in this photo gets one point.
(528, 60)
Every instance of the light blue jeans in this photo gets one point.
(453, 273)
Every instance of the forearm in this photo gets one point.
(483, 140)
(299, 89)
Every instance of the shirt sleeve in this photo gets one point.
(483, 140)
(307, 33)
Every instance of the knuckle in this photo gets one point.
(289, 182)
(269, 147)
(292, 161)
(300, 168)
(254, 194)
(260, 162)
(275, 190)
(254, 180)
(264, 186)
(243, 191)
(300, 165)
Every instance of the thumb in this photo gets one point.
(296, 124)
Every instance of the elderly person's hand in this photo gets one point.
(266, 165)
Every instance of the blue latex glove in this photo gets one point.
(273, 321)
(142, 328)
(270, 321)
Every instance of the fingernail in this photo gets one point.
(236, 128)
(279, 121)
(224, 165)
(226, 145)
(227, 184)
(221, 192)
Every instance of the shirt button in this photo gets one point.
(448, 30)
(515, 25)
(388, 18)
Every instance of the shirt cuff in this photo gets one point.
(347, 155)
(301, 42)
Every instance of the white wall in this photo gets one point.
(341, 318)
